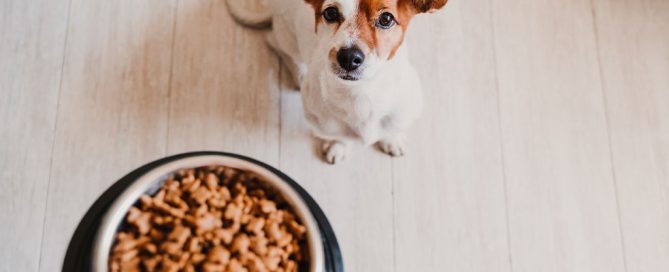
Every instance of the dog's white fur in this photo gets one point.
(377, 108)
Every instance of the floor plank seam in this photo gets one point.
(608, 132)
(279, 81)
(501, 135)
(54, 132)
(171, 77)
(394, 216)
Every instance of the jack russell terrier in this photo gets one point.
(347, 57)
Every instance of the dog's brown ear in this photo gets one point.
(428, 6)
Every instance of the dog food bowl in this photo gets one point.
(93, 239)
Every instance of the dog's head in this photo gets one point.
(361, 35)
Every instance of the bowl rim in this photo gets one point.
(154, 178)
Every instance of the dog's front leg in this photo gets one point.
(335, 151)
(393, 138)
(394, 145)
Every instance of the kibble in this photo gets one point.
(210, 219)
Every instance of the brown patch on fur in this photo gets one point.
(404, 15)
(332, 54)
(386, 42)
(317, 5)
(364, 22)
(397, 46)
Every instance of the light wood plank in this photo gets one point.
(561, 196)
(224, 86)
(355, 194)
(449, 188)
(32, 35)
(113, 107)
(448, 211)
(633, 39)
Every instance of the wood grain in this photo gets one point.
(113, 107)
(633, 40)
(561, 196)
(544, 145)
(450, 212)
(32, 37)
(224, 85)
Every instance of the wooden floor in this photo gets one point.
(544, 145)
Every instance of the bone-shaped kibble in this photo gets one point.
(210, 219)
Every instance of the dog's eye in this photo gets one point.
(386, 20)
(331, 14)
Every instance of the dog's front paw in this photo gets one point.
(335, 151)
(393, 147)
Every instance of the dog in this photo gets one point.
(349, 61)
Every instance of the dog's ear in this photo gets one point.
(426, 6)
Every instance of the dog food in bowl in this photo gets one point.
(211, 218)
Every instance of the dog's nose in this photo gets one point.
(350, 58)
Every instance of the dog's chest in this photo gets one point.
(353, 116)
